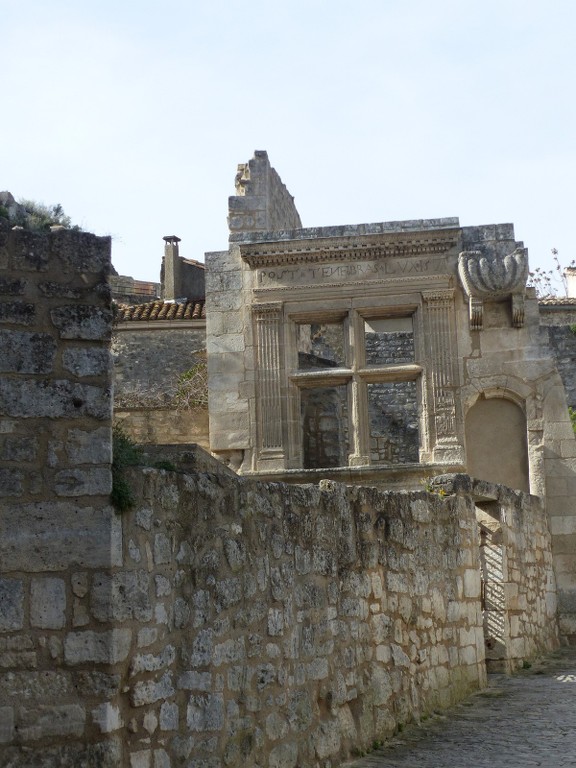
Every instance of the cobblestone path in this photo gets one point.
(525, 720)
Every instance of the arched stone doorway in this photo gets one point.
(496, 443)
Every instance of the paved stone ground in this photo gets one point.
(528, 719)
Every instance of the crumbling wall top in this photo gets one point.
(262, 202)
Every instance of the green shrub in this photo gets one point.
(125, 453)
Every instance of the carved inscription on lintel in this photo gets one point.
(306, 274)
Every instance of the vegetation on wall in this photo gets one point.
(192, 388)
(35, 216)
(125, 453)
(188, 392)
(572, 412)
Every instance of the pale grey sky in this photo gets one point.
(134, 116)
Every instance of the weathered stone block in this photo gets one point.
(48, 603)
(327, 739)
(83, 482)
(150, 662)
(82, 321)
(33, 685)
(169, 713)
(121, 596)
(195, 681)
(161, 759)
(229, 652)
(275, 622)
(25, 398)
(18, 448)
(11, 482)
(205, 713)
(108, 647)
(82, 252)
(17, 312)
(162, 549)
(24, 352)
(96, 684)
(107, 716)
(52, 290)
(284, 756)
(11, 604)
(151, 691)
(86, 362)
(6, 724)
(51, 721)
(471, 583)
(141, 759)
(89, 446)
(12, 286)
(51, 536)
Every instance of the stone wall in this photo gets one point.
(562, 341)
(157, 426)
(149, 362)
(57, 668)
(283, 625)
(519, 597)
(262, 202)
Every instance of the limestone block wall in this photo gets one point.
(58, 678)
(230, 360)
(148, 362)
(562, 341)
(289, 625)
(157, 426)
(262, 203)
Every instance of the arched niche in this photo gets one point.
(496, 442)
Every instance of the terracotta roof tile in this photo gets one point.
(162, 310)
(557, 301)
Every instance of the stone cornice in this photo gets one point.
(391, 284)
(353, 248)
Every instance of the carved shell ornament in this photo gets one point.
(493, 277)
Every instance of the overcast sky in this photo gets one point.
(134, 115)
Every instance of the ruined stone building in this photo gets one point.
(159, 349)
(383, 353)
(389, 515)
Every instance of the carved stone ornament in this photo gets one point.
(492, 278)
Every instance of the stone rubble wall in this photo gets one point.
(289, 625)
(57, 668)
(220, 621)
(530, 597)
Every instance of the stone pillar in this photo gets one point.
(271, 416)
(443, 378)
(59, 536)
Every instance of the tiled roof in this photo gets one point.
(557, 301)
(162, 310)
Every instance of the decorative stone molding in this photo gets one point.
(347, 249)
(492, 278)
(440, 342)
(267, 320)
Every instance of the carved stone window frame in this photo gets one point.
(356, 375)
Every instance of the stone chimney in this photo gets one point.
(171, 268)
(570, 275)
